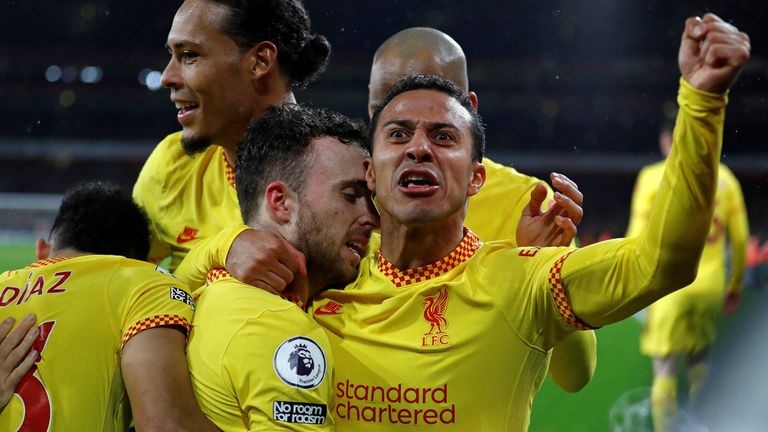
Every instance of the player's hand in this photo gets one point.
(266, 260)
(732, 302)
(556, 226)
(712, 52)
(16, 359)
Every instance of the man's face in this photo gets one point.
(336, 215)
(422, 168)
(208, 76)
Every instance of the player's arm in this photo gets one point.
(738, 236)
(256, 257)
(574, 360)
(16, 359)
(609, 281)
(156, 377)
(557, 225)
(208, 254)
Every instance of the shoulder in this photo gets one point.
(168, 164)
(227, 295)
(727, 175)
(169, 149)
(654, 168)
(506, 253)
(507, 175)
(128, 268)
(650, 175)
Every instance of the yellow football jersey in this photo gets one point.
(493, 213)
(257, 361)
(187, 198)
(87, 308)
(445, 347)
(686, 321)
(461, 344)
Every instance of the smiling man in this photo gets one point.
(419, 338)
(230, 60)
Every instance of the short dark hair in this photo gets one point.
(302, 56)
(99, 218)
(433, 82)
(275, 149)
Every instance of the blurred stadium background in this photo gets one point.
(576, 86)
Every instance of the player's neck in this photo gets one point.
(280, 96)
(67, 253)
(414, 246)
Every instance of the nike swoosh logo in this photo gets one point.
(187, 235)
(185, 239)
(330, 308)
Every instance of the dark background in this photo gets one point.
(578, 86)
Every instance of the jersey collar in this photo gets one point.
(228, 170)
(47, 261)
(464, 251)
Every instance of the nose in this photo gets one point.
(171, 77)
(419, 148)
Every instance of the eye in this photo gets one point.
(353, 194)
(444, 136)
(397, 134)
(188, 56)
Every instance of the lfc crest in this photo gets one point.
(434, 314)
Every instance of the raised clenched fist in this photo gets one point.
(712, 52)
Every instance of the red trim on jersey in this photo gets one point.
(215, 275)
(464, 251)
(220, 273)
(228, 170)
(559, 296)
(47, 261)
(156, 321)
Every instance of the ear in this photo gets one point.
(473, 98)
(262, 59)
(370, 175)
(42, 249)
(280, 202)
(477, 180)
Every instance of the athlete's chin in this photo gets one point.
(346, 271)
(418, 216)
(194, 143)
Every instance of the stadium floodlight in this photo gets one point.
(53, 73)
(91, 74)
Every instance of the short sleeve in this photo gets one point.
(280, 368)
(156, 299)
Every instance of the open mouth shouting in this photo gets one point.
(418, 182)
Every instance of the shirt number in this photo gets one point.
(32, 391)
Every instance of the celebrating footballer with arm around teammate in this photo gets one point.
(438, 313)
(501, 210)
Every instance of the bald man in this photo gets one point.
(504, 199)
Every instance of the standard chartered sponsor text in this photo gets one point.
(397, 404)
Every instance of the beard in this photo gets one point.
(194, 145)
(325, 267)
